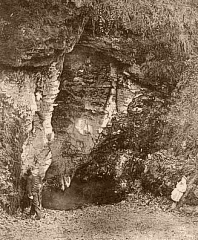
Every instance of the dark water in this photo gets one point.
(79, 195)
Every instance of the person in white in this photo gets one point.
(178, 192)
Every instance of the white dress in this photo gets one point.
(178, 192)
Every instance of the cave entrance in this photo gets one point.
(78, 118)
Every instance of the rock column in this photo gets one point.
(36, 149)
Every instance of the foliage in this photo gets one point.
(182, 118)
(178, 135)
(161, 35)
(163, 21)
(164, 170)
(12, 137)
(140, 130)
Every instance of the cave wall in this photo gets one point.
(93, 89)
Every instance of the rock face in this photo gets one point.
(36, 150)
(34, 36)
(33, 33)
(31, 97)
(60, 117)
(92, 91)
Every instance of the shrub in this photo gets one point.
(12, 136)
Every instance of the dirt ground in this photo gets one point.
(125, 220)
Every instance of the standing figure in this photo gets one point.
(33, 190)
(178, 192)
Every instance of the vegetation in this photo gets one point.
(12, 137)
(165, 31)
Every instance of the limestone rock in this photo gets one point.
(89, 98)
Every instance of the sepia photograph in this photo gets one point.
(98, 119)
